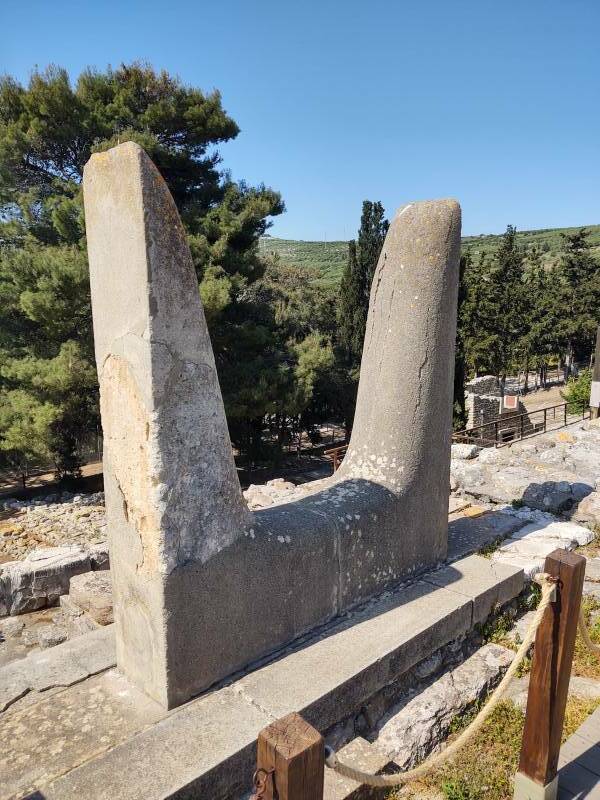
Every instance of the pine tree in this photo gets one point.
(48, 130)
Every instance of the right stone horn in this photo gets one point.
(403, 422)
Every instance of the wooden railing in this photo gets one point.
(336, 454)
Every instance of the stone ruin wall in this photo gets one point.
(483, 403)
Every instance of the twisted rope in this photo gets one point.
(585, 635)
(397, 779)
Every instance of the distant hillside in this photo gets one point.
(330, 257)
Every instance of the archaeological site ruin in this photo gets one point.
(367, 601)
(202, 586)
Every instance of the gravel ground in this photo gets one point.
(59, 519)
(27, 525)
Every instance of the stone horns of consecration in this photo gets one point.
(202, 587)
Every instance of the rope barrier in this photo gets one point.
(585, 635)
(397, 779)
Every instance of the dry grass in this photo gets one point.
(586, 664)
(485, 767)
(591, 550)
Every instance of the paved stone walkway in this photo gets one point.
(579, 763)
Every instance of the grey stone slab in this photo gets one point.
(591, 588)
(590, 729)
(581, 750)
(365, 756)
(410, 733)
(92, 592)
(56, 734)
(205, 749)
(486, 584)
(592, 570)
(63, 665)
(580, 781)
(95, 651)
(40, 578)
(585, 687)
(469, 534)
(334, 675)
(13, 685)
(564, 794)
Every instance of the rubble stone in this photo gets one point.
(408, 734)
(92, 592)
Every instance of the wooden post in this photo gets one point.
(296, 752)
(549, 682)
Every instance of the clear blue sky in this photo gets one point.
(494, 103)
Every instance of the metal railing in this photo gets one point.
(515, 427)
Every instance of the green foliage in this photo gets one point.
(518, 314)
(459, 413)
(329, 258)
(48, 130)
(484, 768)
(325, 261)
(353, 304)
(355, 286)
(492, 315)
(577, 393)
(578, 294)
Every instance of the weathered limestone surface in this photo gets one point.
(410, 733)
(556, 472)
(528, 547)
(92, 592)
(202, 587)
(40, 578)
(403, 420)
(172, 493)
(206, 747)
(63, 665)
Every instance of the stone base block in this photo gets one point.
(527, 789)
(92, 592)
(206, 748)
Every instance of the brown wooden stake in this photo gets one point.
(296, 752)
(551, 670)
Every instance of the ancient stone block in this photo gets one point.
(202, 586)
(92, 592)
(40, 578)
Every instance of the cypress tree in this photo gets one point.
(579, 293)
(355, 288)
